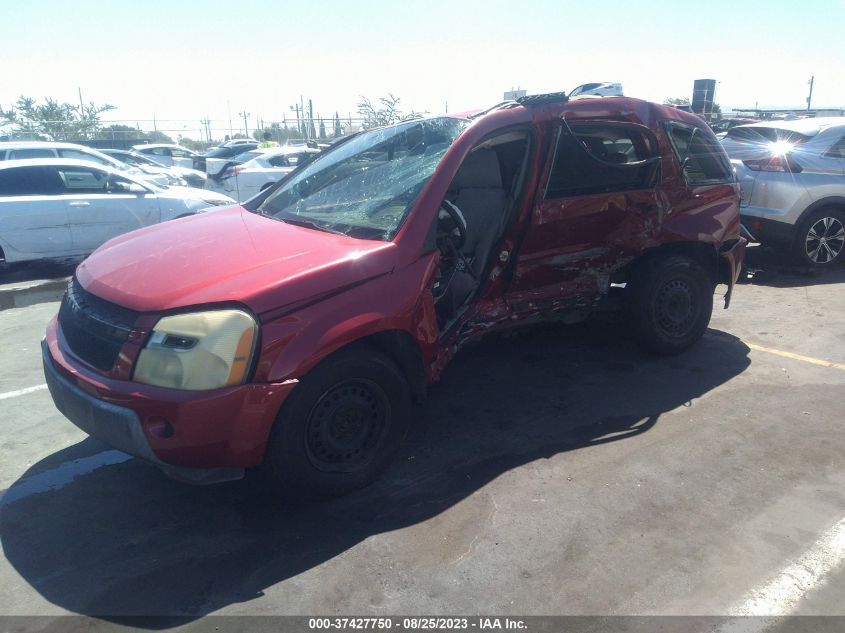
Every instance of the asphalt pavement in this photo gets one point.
(554, 471)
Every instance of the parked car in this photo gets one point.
(598, 89)
(294, 332)
(242, 181)
(177, 176)
(55, 208)
(223, 152)
(20, 150)
(168, 154)
(214, 167)
(792, 176)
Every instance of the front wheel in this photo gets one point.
(341, 426)
(821, 239)
(669, 304)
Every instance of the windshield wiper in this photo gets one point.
(311, 224)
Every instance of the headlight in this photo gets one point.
(199, 350)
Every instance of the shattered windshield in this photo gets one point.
(367, 186)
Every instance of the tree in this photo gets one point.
(54, 120)
(387, 114)
(120, 132)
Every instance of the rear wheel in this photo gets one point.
(820, 239)
(670, 300)
(341, 426)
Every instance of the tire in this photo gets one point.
(820, 239)
(670, 303)
(340, 427)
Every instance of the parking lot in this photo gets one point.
(553, 471)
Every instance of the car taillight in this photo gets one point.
(779, 162)
(232, 171)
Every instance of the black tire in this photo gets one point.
(669, 303)
(340, 427)
(820, 239)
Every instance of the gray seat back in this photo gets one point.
(483, 201)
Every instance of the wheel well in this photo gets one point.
(400, 347)
(835, 202)
(705, 254)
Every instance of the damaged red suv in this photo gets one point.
(294, 332)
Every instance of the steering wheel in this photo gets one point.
(458, 220)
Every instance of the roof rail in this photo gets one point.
(501, 105)
(542, 99)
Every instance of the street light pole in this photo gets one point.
(245, 114)
(810, 96)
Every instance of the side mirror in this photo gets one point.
(136, 188)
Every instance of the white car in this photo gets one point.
(63, 209)
(21, 150)
(179, 176)
(168, 154)
(263, 170)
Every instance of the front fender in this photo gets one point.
(293, 344)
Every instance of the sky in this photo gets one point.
(187, 60)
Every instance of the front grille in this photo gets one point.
(94, 329)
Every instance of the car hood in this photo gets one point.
(231, 255)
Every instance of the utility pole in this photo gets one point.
(810, 96)
(229, 108)
(245, 114)
(81, 107)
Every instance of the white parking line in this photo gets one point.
(21, 392)
(782, 595)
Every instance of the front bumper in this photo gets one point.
(119, 427)
(213, 435)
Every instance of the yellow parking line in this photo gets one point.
(806, 359)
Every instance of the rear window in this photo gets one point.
(702, 159)
(765, 135)
(242, 158)
(19, 154)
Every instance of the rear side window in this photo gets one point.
(30, 181)
(838, 150)
(602, 158)
(77, 155)
(31, 152)
(701, 157)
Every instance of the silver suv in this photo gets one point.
(792, 176)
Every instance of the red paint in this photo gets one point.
(316, 292)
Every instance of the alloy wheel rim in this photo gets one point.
(346, 427)
(825, 240)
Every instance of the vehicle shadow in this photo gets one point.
(769, 267)
(123, 540)
(33, 271)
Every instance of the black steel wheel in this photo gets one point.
(346, 427)
(340, 427)
(669, 303)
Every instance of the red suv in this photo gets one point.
(294, 332)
